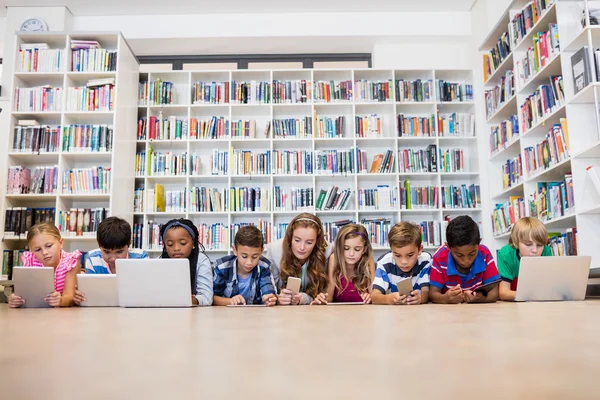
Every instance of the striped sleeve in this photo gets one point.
(436, 275)
(423, 278)
(381, 281)
(491, 272)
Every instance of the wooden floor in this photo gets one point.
(499, 351)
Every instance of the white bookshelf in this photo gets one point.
(184, 109)
(122, 118)
(581, 112)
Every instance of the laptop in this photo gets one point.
(553, 278)
(99, 290)
(33, 284)
(161, 282)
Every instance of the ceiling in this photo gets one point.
(145, 7)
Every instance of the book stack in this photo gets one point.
(245, 162)
(331, 229)
(512, 172)
(39, 98)
(168, 164)
(433, 233)
(214, 128)
(452, 160)
(332, 91)
(93, 180)
(219, 161)
(243, 129)
(550, 151)
(504, 134)
(334, 199)
(21, 181)
(80, 221)
(293, 127)
(452, 91)
(87, 138)
(454, 196)
(543, 102)
(415, 126)
(505, 215)
(383, 163)
(91, 98)
(545, 48)
(252, 92)
(36, 138)
(292, 162)
(294, 199)
(377, 230)
(418, 161)
(248, 199)
(330, 128)
(498, 96)
(523, 22)
(138, 200)
(137, 241)
(553, 200)
(18, 220)
(39, 57)
(87, 56)
(203, 199)
(456, 124)
(214, 236)
(382, 198)
(369, 125)
(334, 162)
(495, 57)
(418, 197)
(408, 91)
(140, 163)
(292, 91)
(156, 93)
(564, 244)
(369, 91)
(210, 93)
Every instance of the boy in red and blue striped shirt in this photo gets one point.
(462, 266)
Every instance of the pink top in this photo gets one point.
(349, 293)
(68, 261)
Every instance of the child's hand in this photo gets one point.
(398, 299)
(269, 300)
(455, 295)
(414, 298)
(238, 300)
(53, 299)
(285, 297)
(78, 297)
(366, 296)
(296, 299)
(321, 299)
(472, 297)
(15, 301)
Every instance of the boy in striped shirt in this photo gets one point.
(462, 266)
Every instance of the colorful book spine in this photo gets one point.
(292, 162)
(168, 164)
(331, 229)
(369, 126)
(327, 127)
(176, 201)
(22, 181)
(407, 126)
(210, 93)
(40, 60)
(564, 244)
(418, 197)
(331, 162)
(214, 236)
(80, 221)
(158, 92)
(334, 198)
(539, 105)
(292, 91)
(382, 163)
(252, 92)
(293, 128)
(92, 180)
(243, 129)
(504, 134)
(456, 124)
(246, 162)
(373, 91)
(40, 98)
(549, 152)
(552, 200)
(36, 139)
(505, 215)
(293, 199)
(213, 128)
(512, 172)
(219, 162)
(523, 21)
(496, 55)
(93, 60)
(453, 91)
(203, 199)
(332, 91)
(409, 91)
(248, 199)
(265, 227)
(497, 97)
(85, 98)
(382, 198)
(545, 47)
(18, 220)
(418, 161)
(138, 200)
(87, 138)
(377, 230)
(452, 160)
(433, 233)
(463, 196)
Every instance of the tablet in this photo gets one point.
(34, 284)
(483, 289)
(100, 290)
(405, 286)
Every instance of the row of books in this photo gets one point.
(550, 151)
(334, 198)
(38, 98)
(456, 124)
(22, 181)
(408, 91)
(92, 180)
(418, 161)
(292, 91)
(166, 164)
(382, 163)
(543, 102)
(292, 162)
(433, 233)
(563, 244)
(93, 60)
(246, 162)
(252, 92)
(496, 55)
(38, 59)
(373, 91)
(452, 91)
(368, 125)
(505, 215)
(552, 200)
(80, 221)
(498, 96)
(463, 196)
(512, 172)
(327, 127)
(293, 128)
(332, 91)
(87, 98)
(293, 199)
(10, 259)
(18, 220)
(418, 197)
(545, 48)
(415, 126)
(36, 139)
(522, 22)
(157, 92)
(504, 134)
(452, 160)
(381, 198)
(377, 230)
(209, 93)
(87, 138)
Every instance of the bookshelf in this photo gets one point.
(575, 115)
(320, 111)
(65, 131)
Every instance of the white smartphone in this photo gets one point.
(405, 287)
(293, 284)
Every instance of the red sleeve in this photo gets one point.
(491, 271)
(436, 275)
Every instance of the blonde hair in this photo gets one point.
(404, 234)
(528, 228)
(316, 270)
(43, 228)
(362, 273)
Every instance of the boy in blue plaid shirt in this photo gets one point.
(245, 276)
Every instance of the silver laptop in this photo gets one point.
(553, 278)
(100, 290)
(154, 282)
(33, 284)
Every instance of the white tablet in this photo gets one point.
(34, 284)
(100, 290)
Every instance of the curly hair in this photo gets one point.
(316, 270)
(362, 273)
(462, 231)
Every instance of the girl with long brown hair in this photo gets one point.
(302, 253)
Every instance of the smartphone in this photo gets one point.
(405, 287)
(293, 284)
(484, 289)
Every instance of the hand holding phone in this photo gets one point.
(293, 284)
